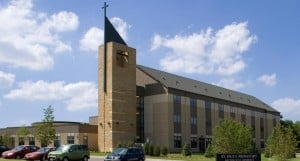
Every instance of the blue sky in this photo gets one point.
(48, 50)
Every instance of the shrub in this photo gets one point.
(157, 151)
(164, 151)
(151, 149)
(209, 153)
(187, 151)
(146, 148)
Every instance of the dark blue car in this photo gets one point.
(126, 154)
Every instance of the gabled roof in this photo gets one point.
(185, 84)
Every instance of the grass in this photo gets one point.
(173, 156)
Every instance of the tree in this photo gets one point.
(21, 133)
(187, 151)
(232, 137)
(45, 131)
(157, 151)
(282, 143)
(146, 148)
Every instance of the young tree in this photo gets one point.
(232, 137)
(282, 143)
(45, 131)
(186, 151)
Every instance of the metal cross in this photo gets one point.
(104, 7)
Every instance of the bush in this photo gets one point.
(164, 151)
(130, 143)
(157, 151)
(151, 149)
(187, 151)
(146, 148)
(120, 145)
(209, 153)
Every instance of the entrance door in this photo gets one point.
(201, 145)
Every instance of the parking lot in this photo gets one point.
(101, 158)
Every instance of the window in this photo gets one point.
(177, 141)
(21, 141)
(193, 115)
(253, 123)
(232, 112)
(221, 111)
(262, 128)
(177, 113)
(194, 142)
(70, 139)
(243, 117)
(208, 127)
(12, 141)
(262, 144)
(31, 140)
(57, 140)
(85, 139)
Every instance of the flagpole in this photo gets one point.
(104, 55)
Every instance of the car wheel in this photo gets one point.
(85, 158)
(66, 159)
(18, 157)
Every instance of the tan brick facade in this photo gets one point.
(117, 105)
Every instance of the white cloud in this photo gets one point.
(289, 108)
(91, 40)
(77, 96)
(232, 84)
(6, 79)
(121, 26)
(269, 80)
(207, 52)
(28, 38)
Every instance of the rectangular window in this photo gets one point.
(12, 141)
(31, 140)
(57, 141)
(208, 126)
(177, 141)
(262, 144)
(262, 128)
(253, 123)
(85, 139)
(177, 113)
(193, 115)
(221, 111)
(232, 112)
(21, 141)
(194, 143)
(70, 139)
(243, 117)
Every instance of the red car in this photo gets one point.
(41, 154)
(19, 151)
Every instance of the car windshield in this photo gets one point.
(43, 149)
(120, 151)
(62, 148)
(18, 148)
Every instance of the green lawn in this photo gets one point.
(194, 157)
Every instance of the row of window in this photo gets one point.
(57, 140)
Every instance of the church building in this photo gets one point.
(141, 104)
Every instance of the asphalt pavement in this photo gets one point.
(101, 158)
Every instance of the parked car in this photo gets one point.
(19, 151)
(70, 152)
(41, 154)
(124, 154)
(3, 148)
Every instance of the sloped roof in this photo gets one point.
(185, 84)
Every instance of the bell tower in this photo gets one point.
(116, 95)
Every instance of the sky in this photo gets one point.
(48, 51)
